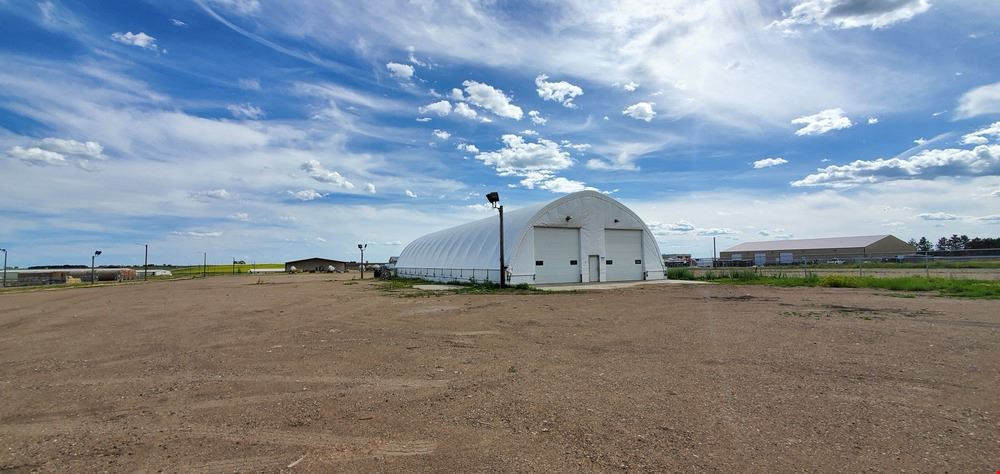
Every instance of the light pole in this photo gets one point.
(4, 268)
(494, 198)
(361, 264)
(92, 257)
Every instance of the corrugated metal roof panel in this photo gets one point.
(808, 244)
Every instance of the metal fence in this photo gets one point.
(451, 274)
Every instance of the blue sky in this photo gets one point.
(269, 131)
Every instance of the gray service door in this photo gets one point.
(623, 254)
(557, 255)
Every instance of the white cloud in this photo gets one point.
(467, 147)
(403, 72)
(640, 111)
(983, 160)
(242, 7)
(197, 235)
(463, 110)
(36, 156)
(921, 141)
(938, 216)
(177, 23)
(991, 219)
(529, 132)
(536, 118)
(305, 194)
(563, 185)
(457, 95)
(769, 162)
(518, 156)
(141, 40)
(679, 227)
(441, 134)
(562, 91)
(492, 99)
(872, 120)
(982, 100)
(716, 231)
(982, 136)
(249, 84)
(411, 194)
(370, 188)
(423, 119)
(441, 108)
(240, 216)
(630, 86)
(852, 13)
(411, 56)
(63, 146)
(246, 111)
(316, 171)
(219, 194)
(822, 122)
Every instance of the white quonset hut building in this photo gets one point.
(580, 237)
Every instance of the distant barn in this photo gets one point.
(315, 264)
(833, 250)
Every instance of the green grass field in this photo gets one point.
(222, 269)
(989, 289)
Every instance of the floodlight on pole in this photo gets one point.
(494, 199)
(4, 268)
(361, 264)
(92, 258)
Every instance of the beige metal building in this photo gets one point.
(316, 264)
(834, 250)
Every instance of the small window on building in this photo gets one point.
(638, 262)
(572, 262)
(539, 263)
(609, 262)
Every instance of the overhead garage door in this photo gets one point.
(623, 259)
(557, 255)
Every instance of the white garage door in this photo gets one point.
(623, 258)
(557, 255)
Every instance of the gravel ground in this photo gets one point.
(311, 373)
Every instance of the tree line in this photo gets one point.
(956, 242)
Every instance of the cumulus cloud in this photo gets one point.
(492, 99)
(63, 146)
(982, 100)
(246, 111)
(938, 216)
(463, 110)
(140, 39)
(411, 56)
(423, 119)
(640, 111)
(467, 147)
(630, 86)
(852, 13)
(562, 185)
(240, 216)
(872, 120)
(441, 108)
(529, 132)
(403, 72)
(411, 194)
(35, 156)
(305, 194)
(982, 136)
(536, 117)
(441, 134)
(219, 194)
(716, 231)
(983, 160)
(769, 162)
(562, 91)
(518, 156)
(822, 122)
(684, 227)
(370, 188)
(316, 171)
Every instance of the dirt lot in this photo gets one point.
(303, 373)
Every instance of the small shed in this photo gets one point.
(316, 265)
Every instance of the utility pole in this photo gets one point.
(361, 264)
(204, 265)
(145, 265)
(493, 199)
(714, 253)
(4, 268)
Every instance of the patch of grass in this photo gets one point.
(223, 269)
(680, 273)
(350, 283)
(480, 288)
(965, 288)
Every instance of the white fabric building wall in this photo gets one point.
(471, 251)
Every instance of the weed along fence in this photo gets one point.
(451, 274)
